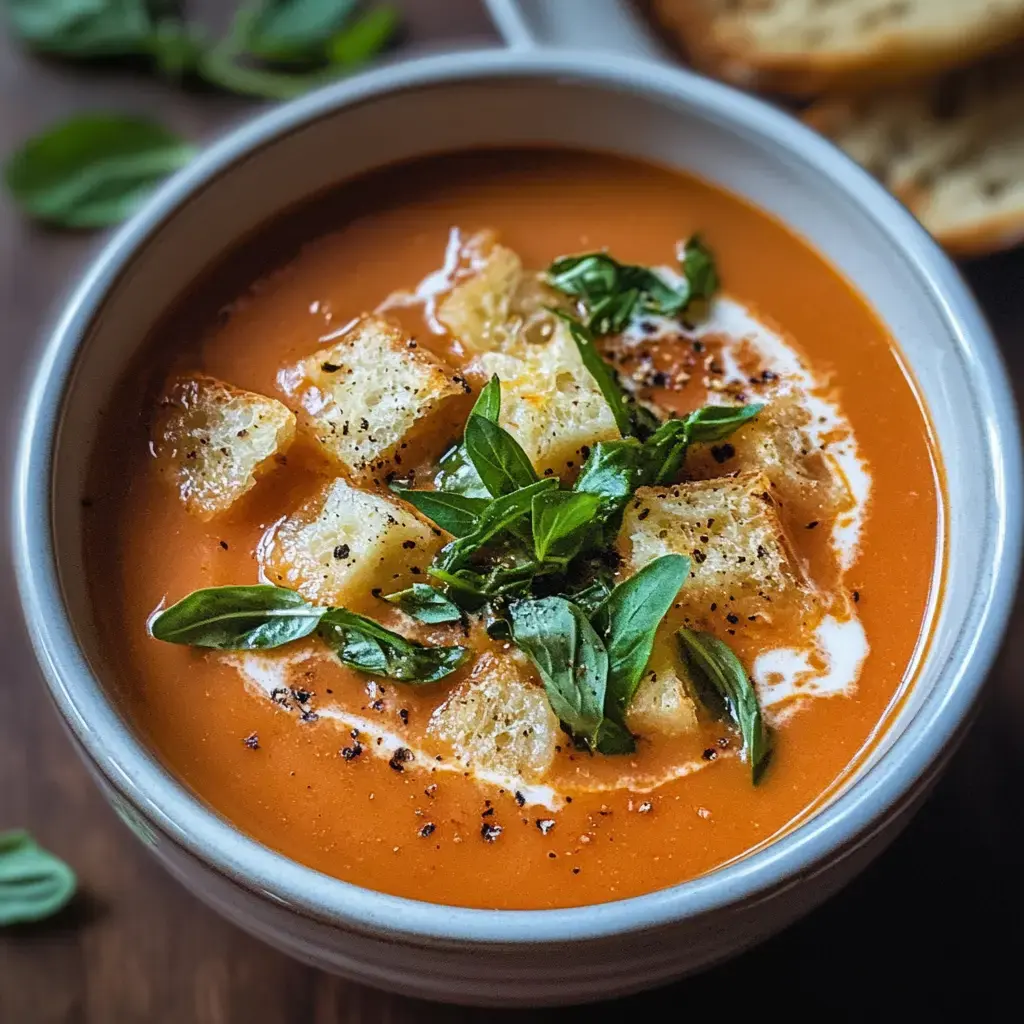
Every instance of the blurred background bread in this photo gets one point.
(927, 94)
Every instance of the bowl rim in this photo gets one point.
(827, 836)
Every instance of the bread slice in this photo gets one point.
(345, 544)
(212, 441)
(778, 442)
(951, 150)
(550, 403)
(741, 561)
(499, 720)
(369, 393)
(802, 47)
(663, 704)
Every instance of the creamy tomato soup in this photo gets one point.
(515, 530)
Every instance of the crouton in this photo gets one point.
(213, 441)
(550, 403)
(776, 441)
(345, 543)
(499, 720)
(663, 704)
(741, 562)
(370, 393)
(501, 306)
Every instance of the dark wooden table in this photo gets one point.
(932, 926)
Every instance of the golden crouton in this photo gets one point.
(740, 561)
(346, 543)
(213, 440)
(369, 393)
(499, 720)
(776, 441)
(550, 403)
(662, 704)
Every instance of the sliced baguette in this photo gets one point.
(802, 47)
(951, 150)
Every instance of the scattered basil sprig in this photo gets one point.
(606, 378)
(93, 170)
(613, 293)
(713, 665)
(456, 473)
(34, 884)
(256, 618)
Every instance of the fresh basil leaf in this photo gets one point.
(497, 517)
(83, 28)
(615, 738)
(94, 169)
(561, 522)
(456, 513)
(713, 664)
(716, 422)
(34, 884)
(664, 452)
(457, 475)
(606, 378)
(570, 658)
(611, 472)
(590, 275)
(699, 268)
(425, 603)
(628, 620)
(488, 402)
(589, 598)
(291, 31)
(465, 587)
(497, 456)
(237, 618)
(365, 645)
(364, 37)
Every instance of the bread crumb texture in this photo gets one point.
(346, 545)
(369, 393)
(213, 441)
(499, 720)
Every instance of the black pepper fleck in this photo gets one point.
(428, 829)
(400, 758)
(351, 753)
(490, 832)
(252, 741)
(342, 551)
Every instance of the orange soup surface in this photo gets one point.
(445, 703)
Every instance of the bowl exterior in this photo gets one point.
(494, 98)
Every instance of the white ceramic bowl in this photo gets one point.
(497, 98)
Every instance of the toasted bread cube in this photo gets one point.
(740, 559)
(550, 403)
(213, 441)
(369, 393)
(346, 543)
(477, 311)
(499, 720)
(778, 442)
(663, 704)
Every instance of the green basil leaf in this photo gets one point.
(699, 268)
(570, 658)
(590, 597)
(611, 472)
(93, 170)
(497, 517)
(367, 646)
(497, 456)
(457, 475)
(83, 28)
(713, 665)
(456, 513)
(716, 422)
(590, 276)
(291, 31)
(562, 521)
(488, 402)
(664, 452)
(465, 587)
(425, 603)
(34, 884)
(364, 37)
(237, 618)
(615, 738)
(628, 620)
(606, 378)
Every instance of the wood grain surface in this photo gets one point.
(932, 927)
